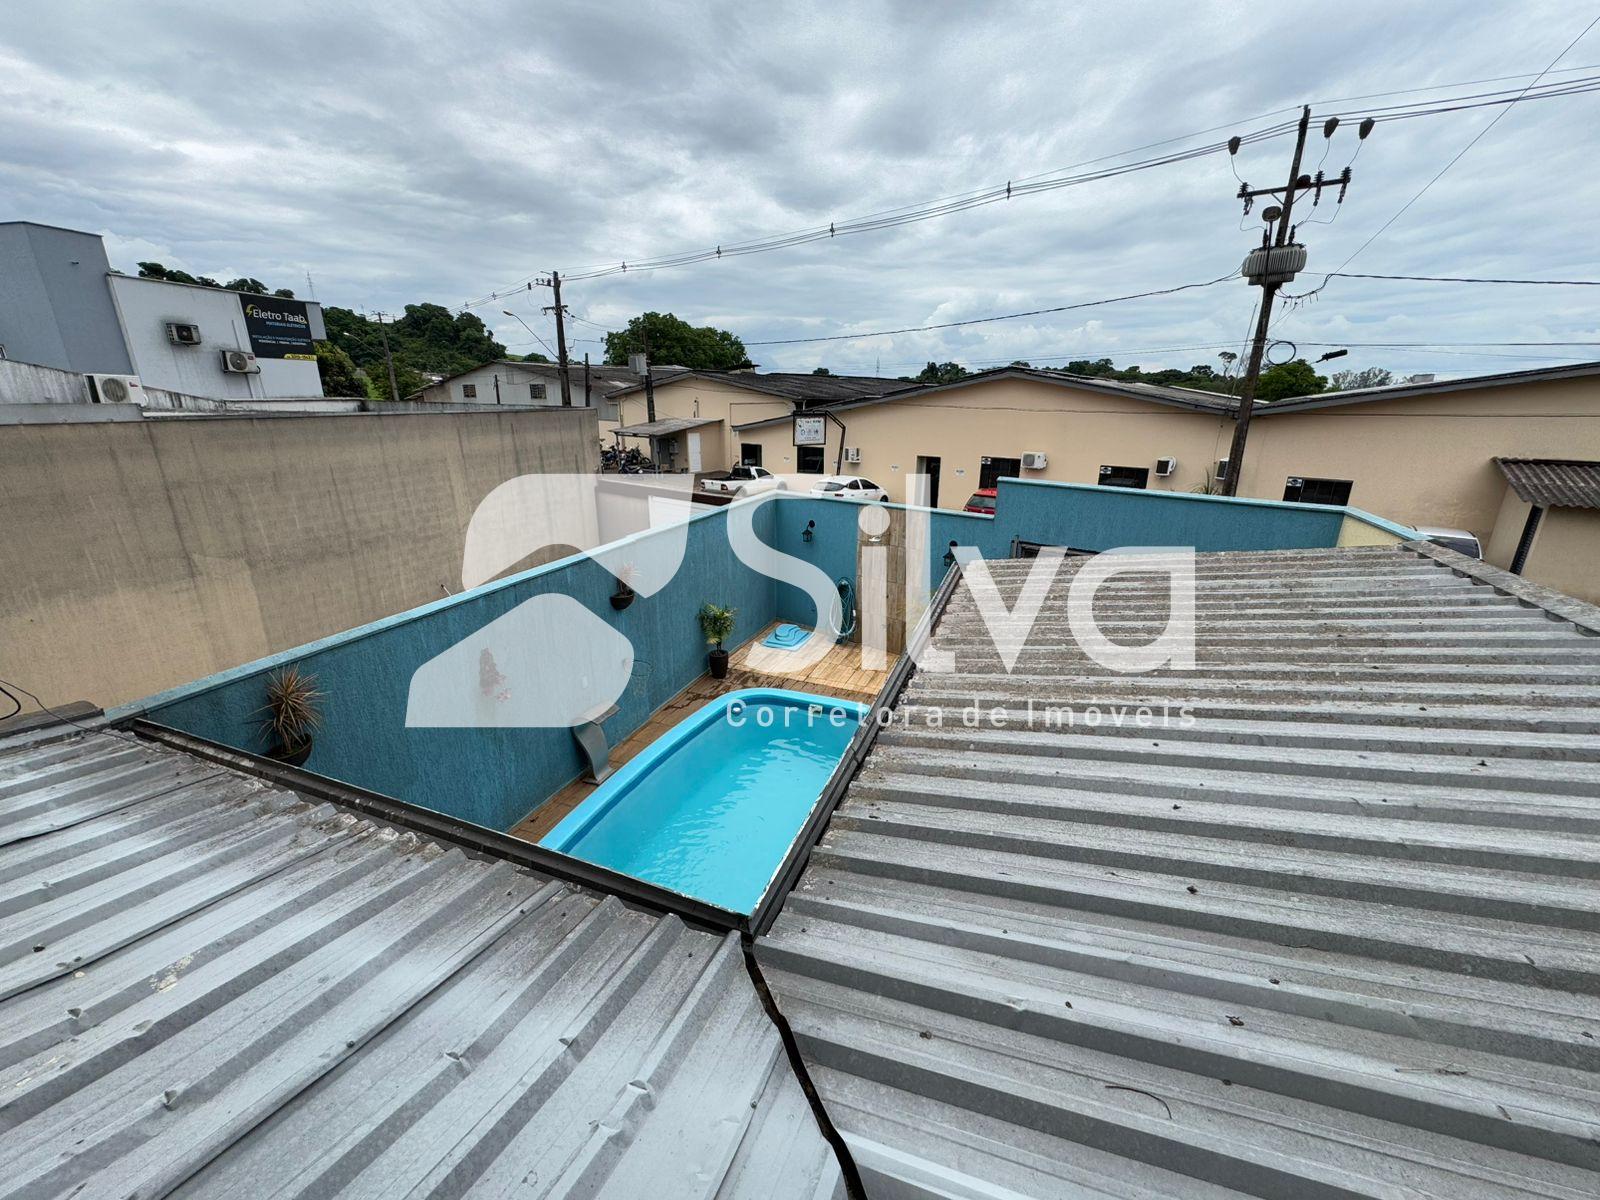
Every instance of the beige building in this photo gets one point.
(697, 412)
(1420, 454)
(1548, 526)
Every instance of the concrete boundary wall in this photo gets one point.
(138, 555)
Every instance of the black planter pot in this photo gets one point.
(719, 663)
(622, 597)
(293, 756)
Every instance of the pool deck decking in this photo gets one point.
(840, 674)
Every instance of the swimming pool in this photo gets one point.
(711, 807)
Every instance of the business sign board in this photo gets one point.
(278, 327)
(810, 431)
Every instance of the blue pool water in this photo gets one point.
(711, 807)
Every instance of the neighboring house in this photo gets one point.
(1548, 530)
(62, 306)
(1421, 453)
(698, 413)
(507, 382)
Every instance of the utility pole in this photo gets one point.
(561, 337)
(394, 388)
(1273, 264)
(588, 397)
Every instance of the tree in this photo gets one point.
(1021, 362)
(426, 338)
(245, 284)
(340, 376)
(286, 293)
(945, 372)
(154, 270)
(1368, 377)
(671, 341)
(1289, 379)
(822, 371)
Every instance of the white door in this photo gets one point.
(694, 454)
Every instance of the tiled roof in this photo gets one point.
(1553, 482)
(212, 987)
(1339, 936)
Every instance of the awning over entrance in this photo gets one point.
(665, 427)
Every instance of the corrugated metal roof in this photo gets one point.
(1558, 482)
(1338, 937)
(213, 987)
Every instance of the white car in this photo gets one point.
(1460, 540)
(743, 480)
(848, 487)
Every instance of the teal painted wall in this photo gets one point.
(491, 777)
(1090, 517)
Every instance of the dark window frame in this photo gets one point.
(1335, 492)
(1124, 477)
(992, 468)
(803, 454)
(469, 391)
(750, 454)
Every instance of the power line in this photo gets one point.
(1467, 279)
(960, 202)
(1478, 137)
(1034, 312)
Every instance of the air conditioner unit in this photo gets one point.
(1166, 466)
(115, 389)
(240, 362)
(1222, 468)
(180, 334)
(1034, 460)
(852, 454)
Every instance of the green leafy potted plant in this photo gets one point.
(293, 716)
(623, 596)
(716, 623)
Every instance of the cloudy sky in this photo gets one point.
(441, 156)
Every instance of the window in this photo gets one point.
(469, 391)
(992, 470)
(536, 391)
(832, 485)
(750, 453)
(610, 410)
(1317, 491)
(866, 485)
(1128, 477)
(809, 460)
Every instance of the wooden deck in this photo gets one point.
(839, 674)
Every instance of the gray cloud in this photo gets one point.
(406, 156)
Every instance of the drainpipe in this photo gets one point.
(838, 462)
(1525, 542)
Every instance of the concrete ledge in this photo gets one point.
(1558, 604)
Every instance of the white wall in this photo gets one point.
(146, 305)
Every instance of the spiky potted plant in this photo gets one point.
(716, 623)
(293, 715)
(623, 596)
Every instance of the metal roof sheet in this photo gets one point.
(1553, 482)
(664, 426)
(1339, 936)
(212, 987)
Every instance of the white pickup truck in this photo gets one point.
(742, 481)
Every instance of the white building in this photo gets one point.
(62, 306)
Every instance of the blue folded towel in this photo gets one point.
(786, 637)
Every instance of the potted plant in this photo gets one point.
(292, 715)
(716, 623)
(623, 596)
